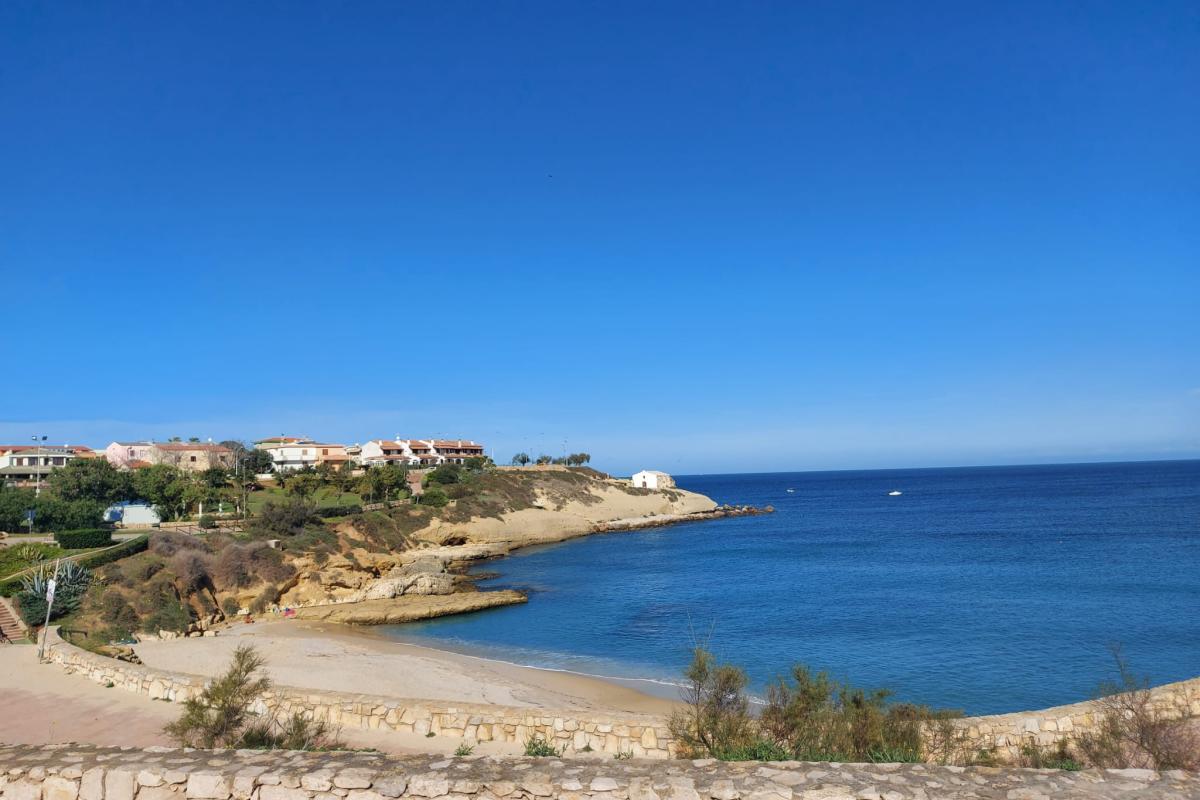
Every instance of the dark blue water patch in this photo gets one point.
(988, 589)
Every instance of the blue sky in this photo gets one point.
(688, 236)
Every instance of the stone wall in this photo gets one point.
(640, 736)
(1005, 734)
(75, 772)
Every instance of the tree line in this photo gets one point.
(573, 460)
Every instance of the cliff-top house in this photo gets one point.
(290, 453)
(652, 479)
(419, 452)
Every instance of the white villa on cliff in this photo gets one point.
(652, 479)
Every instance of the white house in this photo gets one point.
(419, 452)
(652, 479)
(28, 465)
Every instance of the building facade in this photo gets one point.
(419, 452)
(652, 479)
(27, 465)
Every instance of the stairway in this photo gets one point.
(8, 622)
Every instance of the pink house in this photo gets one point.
(128, 455)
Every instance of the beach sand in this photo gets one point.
(340, 658)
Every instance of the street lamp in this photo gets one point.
(37, 491)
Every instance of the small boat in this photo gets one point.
(895, 493)
(790, 491)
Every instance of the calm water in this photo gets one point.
(987, 589)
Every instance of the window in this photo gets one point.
(192, 458)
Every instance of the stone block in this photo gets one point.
(354, 778)
(320, 780)
(149, 777)
(392, 785)
(58, 788)
(119, 784)
(91, 784)
(429, 784)
(207, 786)
(23, 790)
(281, 793)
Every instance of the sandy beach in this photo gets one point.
(340, 658)
(43, 704)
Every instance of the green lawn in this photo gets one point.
(325, 497)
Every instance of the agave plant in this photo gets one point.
(31, 553)
(71, 582)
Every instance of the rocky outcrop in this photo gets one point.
(75, 772)
(409, 607)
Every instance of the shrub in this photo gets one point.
(463, 750)
(538, 747)
(191, 568)
(229, 607)
(811, 718)
(284, 519)
(434, 497)
(1038, 757)
(221, 716)
(168, 543)
(84, 539)
(346, 510)
(170, 615)
(123, 550)
(206, 522)
(444, 475)
(122, 620)
(1134, 731)
(238, 566)
(715, 720)
(266, 598)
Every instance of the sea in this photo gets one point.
(985, 589)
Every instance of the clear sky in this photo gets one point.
(689, 236)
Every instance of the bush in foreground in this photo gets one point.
(221, 716)
(810, 718)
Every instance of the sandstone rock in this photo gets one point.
(91, 784)
(281, 793)
(392, 785)
(429, 784)
(207, 786)
(119, 785)
(353, 778)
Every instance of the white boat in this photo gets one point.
(895, 493)
(791, 490)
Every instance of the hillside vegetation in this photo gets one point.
(289, 555)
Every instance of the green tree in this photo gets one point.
(304, 484)
(220, 714)
(371, 485)
(215, 477)
(91, 479)
(394, 480)
(14, 504)
(544, 459)
(520, 459)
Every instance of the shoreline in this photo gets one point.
(300, 653)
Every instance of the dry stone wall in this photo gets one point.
(639, 736)
(631, 735)
(74, 772)
(1005, 734)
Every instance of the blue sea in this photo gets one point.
(986, 589)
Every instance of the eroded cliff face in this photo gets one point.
(514, 511)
